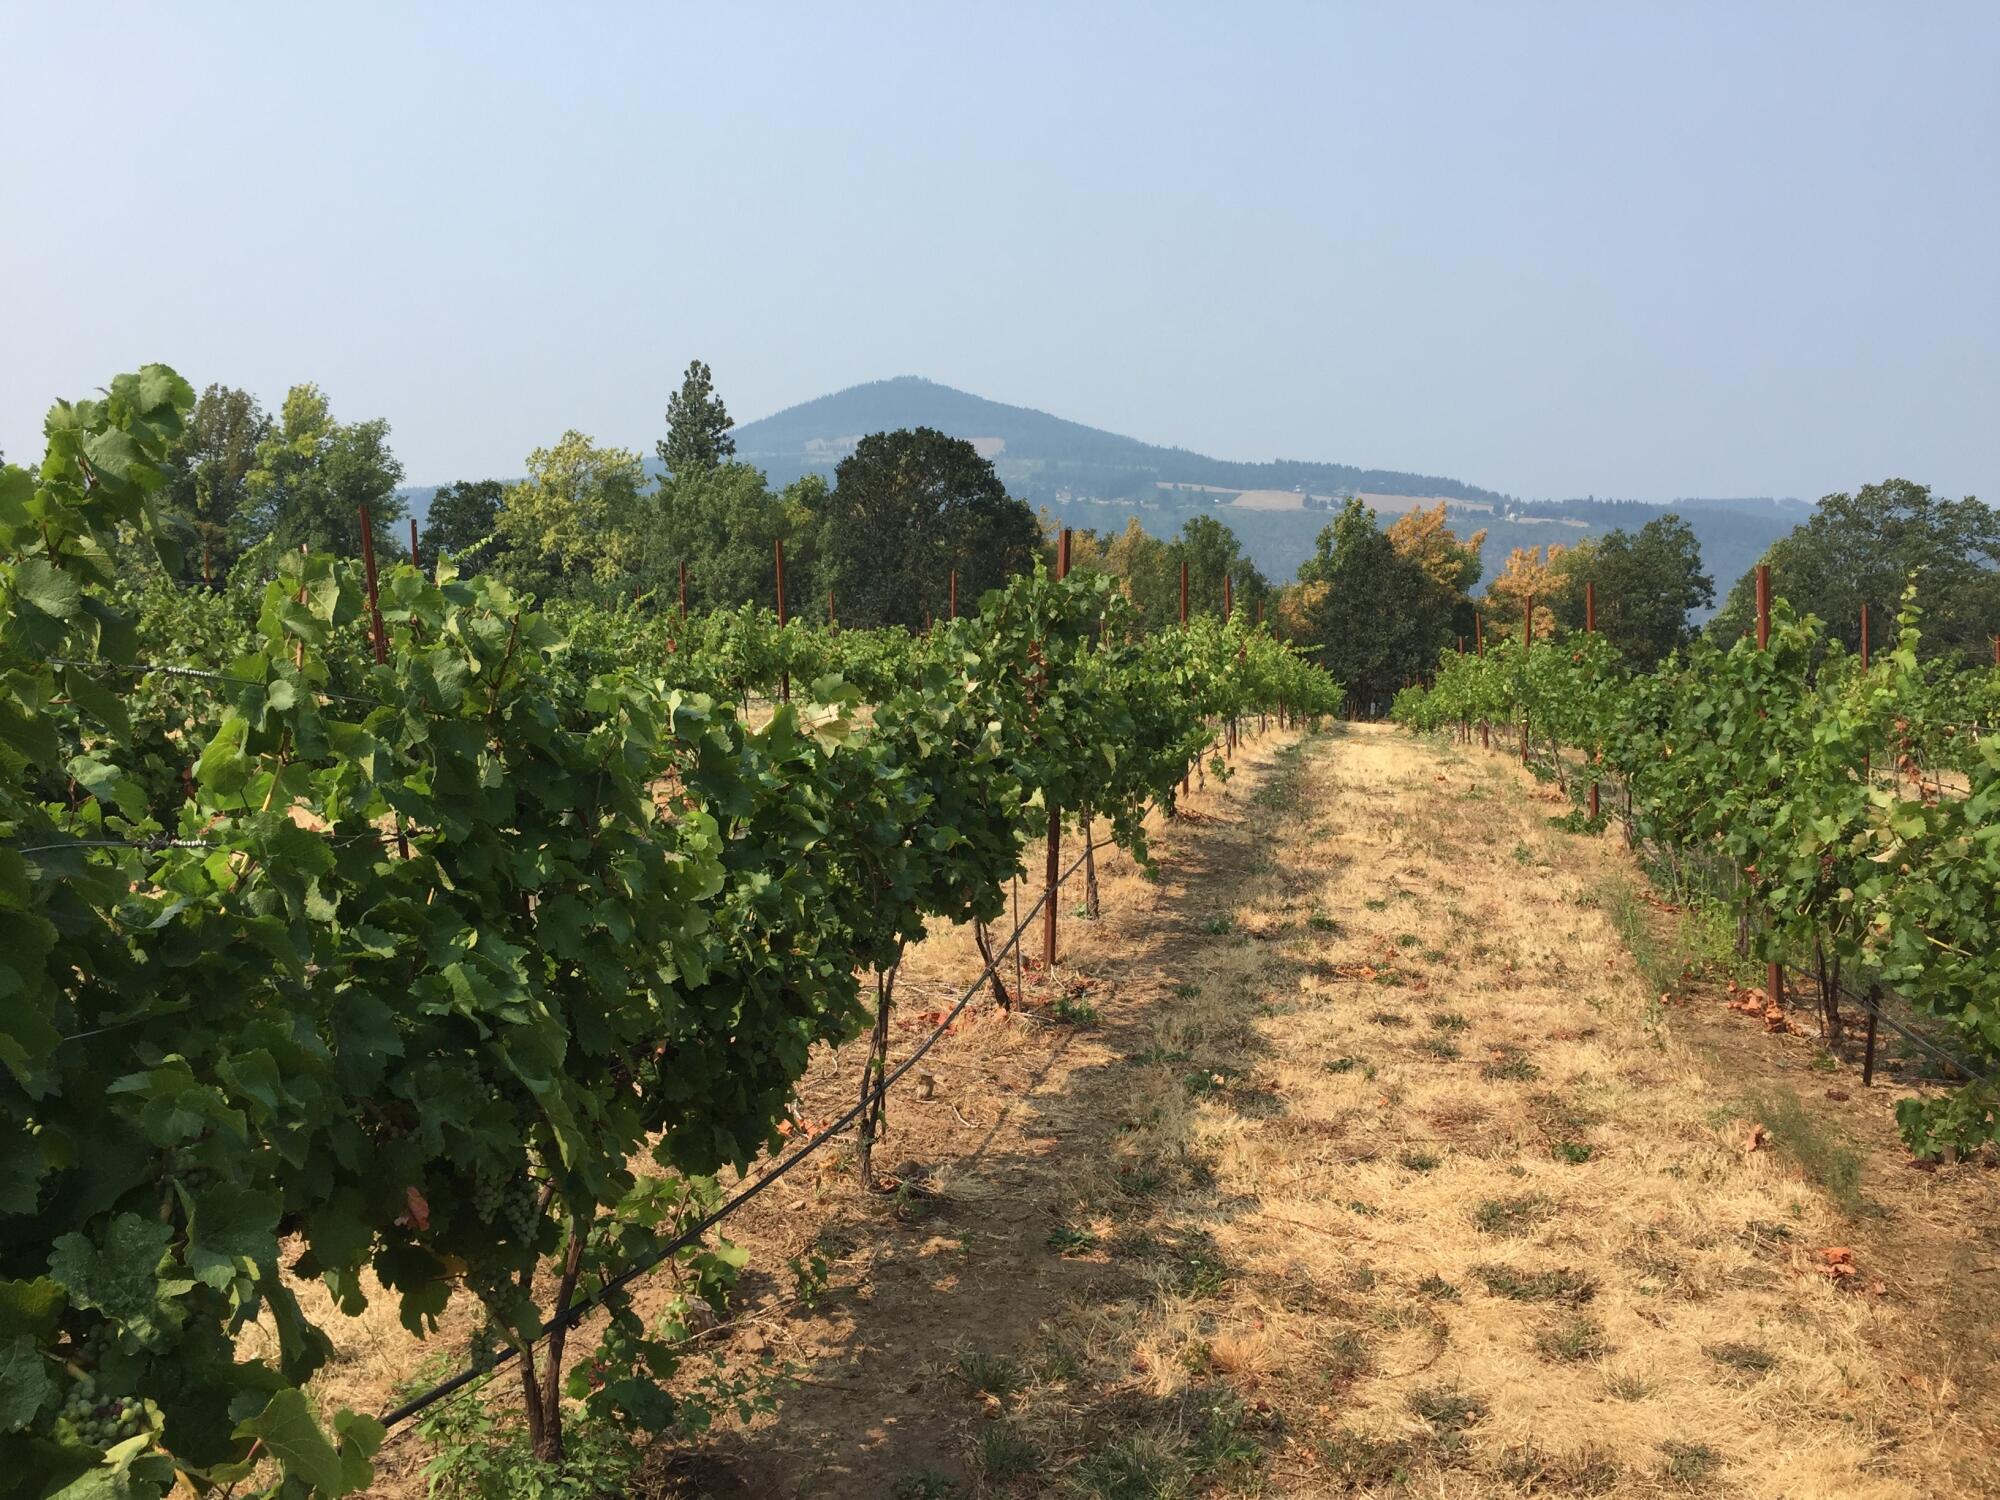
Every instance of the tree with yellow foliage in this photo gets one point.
(1422, 536)
(1537, 572)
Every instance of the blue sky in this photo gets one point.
(1644, 250)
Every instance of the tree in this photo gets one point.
(1150, 572)
(1213, 553)
(313, 475)
(722, 522)
(908, 507)
(1537, 573)
(1370, 615)
(1646, 584)
(1423, 536)
(575, 524)
(207, 494)
(697, 426)
(461, 516)
(1862, 548)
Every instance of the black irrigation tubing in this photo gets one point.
(200, 674)
(747, 702)
(152, 846)
(576, 1312)
(1925, 1043)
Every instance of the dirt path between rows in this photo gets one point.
(1353, 1156)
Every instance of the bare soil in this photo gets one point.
(1351, 1155)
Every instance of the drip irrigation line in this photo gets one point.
(199, 674)
(150, 845)
(570, 1316)
(1917, 1038)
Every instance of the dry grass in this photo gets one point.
(1370, 1172)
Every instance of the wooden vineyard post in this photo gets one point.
(778, 555)
(1774, 973)
(368, 570)
(684, 588)
(415, 560)
(1053, 867)
(951, 592)
(1590, 628)
(832, 620)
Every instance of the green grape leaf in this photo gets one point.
(290, 1434)
(122, 1277)
(233, 1232)
(24, 1383)
(30, 1308)
(50, 589)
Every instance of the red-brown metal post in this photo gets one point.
(1479, 649)
(951, 590)
(1590, 628)
(415, 560)
(1054, 865)
(778, 554)
(1228, 596)
(1774, 974)
(368, 569)
(1864, 637)
(1527, 640)
(1185, 774)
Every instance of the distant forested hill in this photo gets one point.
(1088, 477)
(1039, 456)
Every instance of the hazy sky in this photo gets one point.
(1606, 248)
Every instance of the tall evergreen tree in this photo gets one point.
(697, 426)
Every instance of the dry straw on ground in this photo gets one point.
(1356, 1158)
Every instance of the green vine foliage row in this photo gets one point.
(1862, 808)
(436, 968)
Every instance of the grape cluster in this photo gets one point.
(97, 1419)
(510, 1204)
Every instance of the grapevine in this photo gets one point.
(410, 963)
